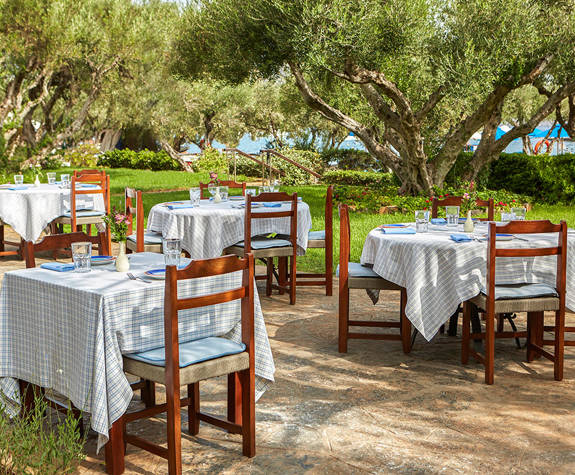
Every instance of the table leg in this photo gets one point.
(115, 448)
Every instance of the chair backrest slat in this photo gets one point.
(212, 299)
(457, 200)
(228, 183)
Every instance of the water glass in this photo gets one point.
(275, 187)
(195, 196)
(82, 256)
(452, 215)
(212, 189)
(65, 179)
(224, 192)
(172, 250)
(519, 213)
(251, 191)
(18, 179)
(506, 217)
(51, 178)
(421, 221)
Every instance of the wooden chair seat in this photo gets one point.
(189, 374)
(82, 218)
(152, 243)
(261, 253)
(536, 298)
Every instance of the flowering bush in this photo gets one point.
(117, 223)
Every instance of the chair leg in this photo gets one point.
(2, 238)
(148, 393)
(194, 408)
(328, 272)
(465, 332)
(489, 347)
(115, 448)
(535, 322)
(343, 326)
(247, 379)
(500, 321)
(559, 344)
(270, 275)
(282, 273)
(405, 324)
(234, 398)
(174, 420)
(452, 329)
(292, 280)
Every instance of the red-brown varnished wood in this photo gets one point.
(115, 448)
(228, 183)
(456, 201)
(344, 323)
(101, 180)
(56, 242)
(134, 209)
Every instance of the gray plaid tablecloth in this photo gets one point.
(207, 230)
(439, 273)
(29, 211)
(68, 331)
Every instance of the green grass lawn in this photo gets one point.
(314, 196)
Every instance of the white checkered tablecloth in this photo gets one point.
(67, 331)
(207, 230)
(29, 211)
(439, 273)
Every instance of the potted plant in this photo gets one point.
(117, 224)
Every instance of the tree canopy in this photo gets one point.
(413, 79)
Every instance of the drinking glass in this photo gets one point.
(82, 256)
(251, 191)
(195, 196)
(421, 221)
(452, 215)
(506, 216)
(519, 213)
(224, 192)
(51, 178)
(212, 189)
(275, 187)
(172, 250)
(65, 179)
(18, 179)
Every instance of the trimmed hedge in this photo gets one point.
(358, 178)
(142, 160)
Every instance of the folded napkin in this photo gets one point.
(460, 238)
(58, 266)
(395, 230)
(438, 221)
(88, 185)
(272, 205)
(171, 207)
(18, 187)
(395, 225)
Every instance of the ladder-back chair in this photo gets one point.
(140, 240)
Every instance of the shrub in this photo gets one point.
(142, 160)
(84, 155)
(353, 177)
(211, 160)
(349, 159)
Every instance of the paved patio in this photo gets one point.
(376, 410)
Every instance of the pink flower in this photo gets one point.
(472, 185)
(465, 196)
(118, 218)
(213, 176)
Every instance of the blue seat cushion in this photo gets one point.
(355, 269)
(85, 213)
(192, 352)
(264, 243)
(523, 291)
(316, 235)
(149, 238)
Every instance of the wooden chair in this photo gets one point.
(228, 183)
(19, 251)
(78, 173)
(456, 201)
(322, 240)
(76, 217)
(267, 249)
(353, 275)
(141, 240)
(535, 299)
(174, 372)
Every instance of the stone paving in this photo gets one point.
(376, 410)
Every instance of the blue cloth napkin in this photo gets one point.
(18, 187)
(460, 238)
(58, 266)
(180, 206)
(438, 221)
(272, 205)
(398, 230)
(88, 185)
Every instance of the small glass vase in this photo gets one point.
(122, 262)
(468, 226)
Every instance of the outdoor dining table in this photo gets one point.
(28, 209)
(206, 230)
(67, 331)
(439, 273)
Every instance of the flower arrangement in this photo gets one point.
(469, 201)
(117, 223)
(214, 178)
